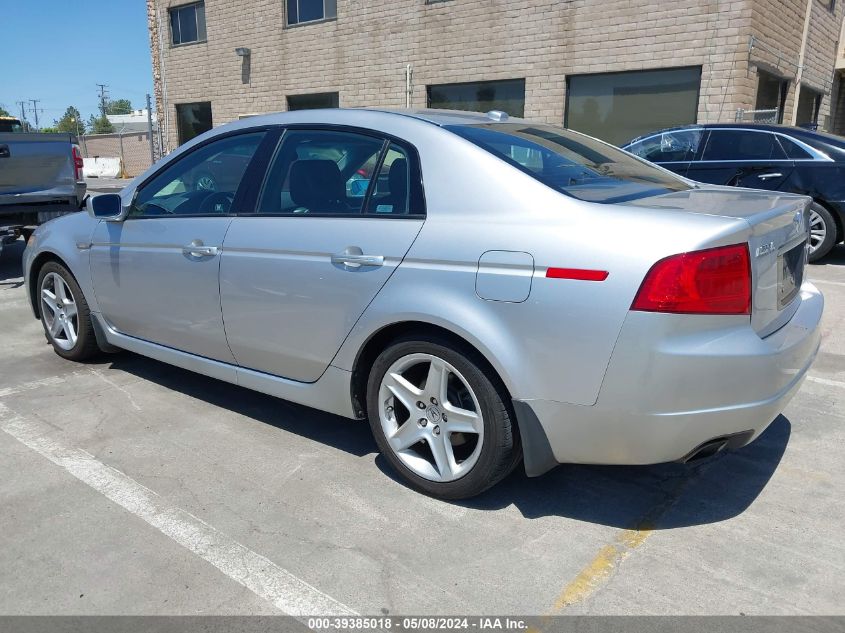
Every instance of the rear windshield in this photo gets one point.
(10, 125)
(569, 162)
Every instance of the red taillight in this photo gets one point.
(77, 162)
(712, 281)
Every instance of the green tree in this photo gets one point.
(100, 125)
(4, 111)
(119, 106)
(48, 130)
(71, 122)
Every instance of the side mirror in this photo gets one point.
(107, 206)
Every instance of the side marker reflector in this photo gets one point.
(577, 273)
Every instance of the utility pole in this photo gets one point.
(150, 130)
(34, 103)
(103, 96)
(23, 113)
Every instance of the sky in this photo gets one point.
(59, 50)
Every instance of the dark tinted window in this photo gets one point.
(204, 182)
(300, 11)
(187, 24)
(792, 149)
(192, 119)
(482, 96)
(742, 145)
(574, 164)
(668, 147)
(312, 101)
(320, 172)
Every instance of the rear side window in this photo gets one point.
(572, 163)
(793, 150)
(742, 145)
(330, 172)
(668, 147)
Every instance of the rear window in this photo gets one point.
(576, 165)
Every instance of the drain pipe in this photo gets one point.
(409, 74)
(801, 61)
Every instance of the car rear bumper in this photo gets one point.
(673, 384)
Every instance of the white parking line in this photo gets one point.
(260, 575)
(827, 381)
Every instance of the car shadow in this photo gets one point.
(663, 496)
(836, 257)
(11, 265)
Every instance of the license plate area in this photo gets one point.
(790, 274)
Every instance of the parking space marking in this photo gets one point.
(37, 384)
(263, 577)
(826, 381)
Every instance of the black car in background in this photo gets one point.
(773, 157)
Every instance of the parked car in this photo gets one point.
(773, 157)
(40, 179)
(463, 304)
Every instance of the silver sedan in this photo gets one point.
(485, 291)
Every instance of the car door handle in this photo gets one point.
(354, 260)
(767, 176)
(198, 249)
(4, 151)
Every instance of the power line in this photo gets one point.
(103, 97)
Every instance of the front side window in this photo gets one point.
(742, 145)
(202, 183)
(187, 24)
(571, 163)
(668, 147)
(301, 11)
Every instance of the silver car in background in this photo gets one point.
(484, 290)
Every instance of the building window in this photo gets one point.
(480, 96)
(301, 11)
(617, 107)
(771, 98)
(809, 103)
(192, 119)
(314, 101)
(187, 24)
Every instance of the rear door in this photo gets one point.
(742, 158)
(336, 214)
(673, 149)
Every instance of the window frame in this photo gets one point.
(289, 24)
(415, 170)
(243, 191)
(180, 7)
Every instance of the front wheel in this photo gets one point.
(64, 313)
(822, 232)
(440, 419)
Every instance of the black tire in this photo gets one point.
(831, 236)
(86, 341)
(500, 451)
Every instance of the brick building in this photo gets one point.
(614, 69)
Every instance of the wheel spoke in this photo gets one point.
(55, 327)
(59, 287)
(70, 310)
(49, 299)
(403, 391)
(406, 435)
(436, 380)
(461, 420)
(70, 331)
(444, 458)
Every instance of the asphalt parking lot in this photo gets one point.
(131, 487)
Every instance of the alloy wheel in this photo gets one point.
(60, 311)
(430, 417)
(818, 230)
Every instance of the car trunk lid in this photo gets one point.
(777, 242)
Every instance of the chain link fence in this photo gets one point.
(133, 149)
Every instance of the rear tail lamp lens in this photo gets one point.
(712, 281)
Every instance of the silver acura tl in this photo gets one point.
(483, 290)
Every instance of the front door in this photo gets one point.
(338, 212)
(156, 274)
(742, 158)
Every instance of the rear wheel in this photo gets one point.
(439, 419)
(64, 313)
(822, 232)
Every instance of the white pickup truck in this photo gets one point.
(40, 179)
